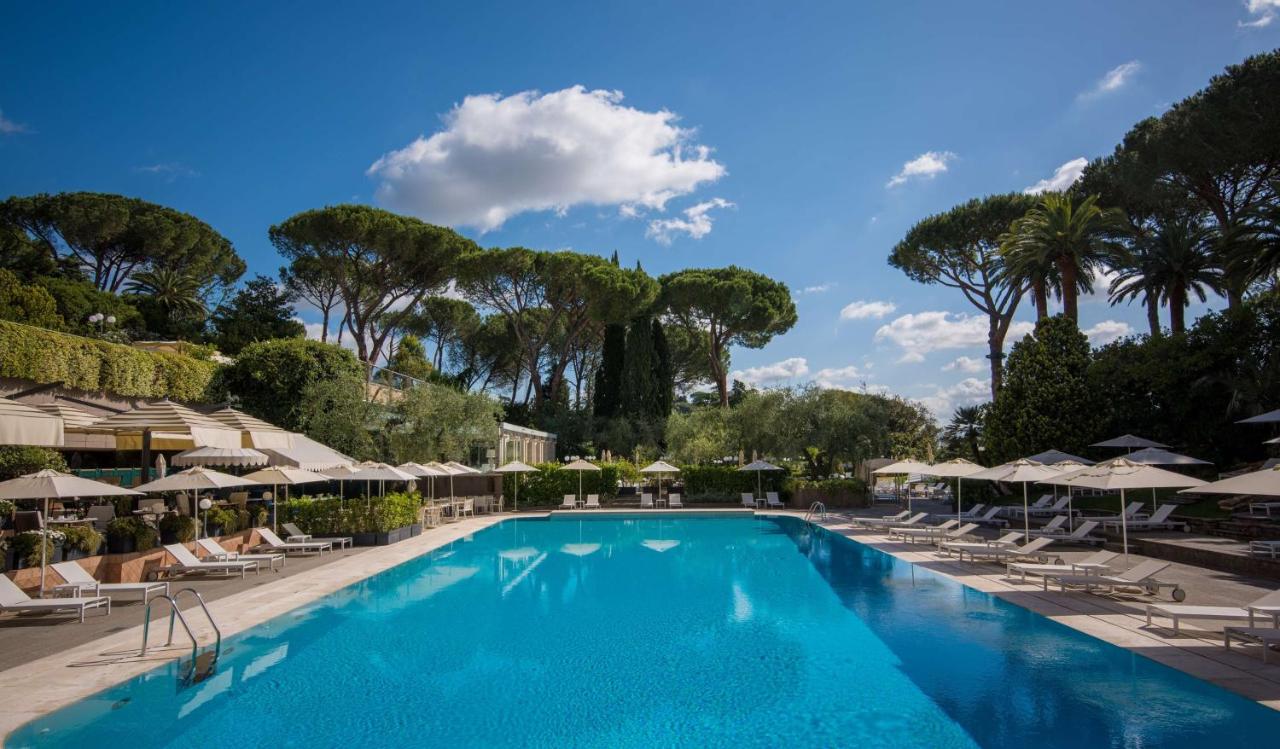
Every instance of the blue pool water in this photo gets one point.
(662, 632)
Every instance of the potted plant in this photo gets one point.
(177, 529)
(26, 548)
(120, 539)
(82, 541)
(144, 536)
(221, 521)
(7, 509)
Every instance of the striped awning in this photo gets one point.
(72, 417)
(21, 424)
(173, 426)
(254, 432)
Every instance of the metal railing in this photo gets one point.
(817, 508)
(176, 613)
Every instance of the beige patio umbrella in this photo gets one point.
(759, 466)
(1064, 467)
(517, 468)
(659, 468)
(902, 468)
(254, 432)
(283, 476)
(958, 469)
(49, 484)
(381, 472)
(227, 457)
(581, 465)
(1264, 483)
(21, 424)
(1050, 457)
(194, 480)
(341, 473)
(1123, 474)
(449, 470)
(1019, 472)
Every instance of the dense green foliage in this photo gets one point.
(270, 378)
(726, 483)
(45, 356)
(436, 422)
(331, 516)
(27, 303)
(19, 460)
(549, 485)
(259, 311)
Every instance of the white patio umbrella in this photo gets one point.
(286, 476)
(1272, 441)
(517, 468)
(1123, 474)
(759, 466)
(49, 484)
(450, 470)
(659, 468)
(1269, 417)
(581, 465)
(1050, 457)
(341, 473)
(1154, 456)
(902, 468)
(228, 457)
(193, 480)
(1064, 467)
(1019, 472)
(1128, 442)
(958, 469)
(1264, 483)
(380, 472)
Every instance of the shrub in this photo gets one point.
(181, 527)
(78, 299)
(222, 517)
(726, 482)
(19, 460)
(833, 492)
(27, 303)
(83, 538)
(86, 364)
(333, 516)
(26, 546)
(144, 536)
(549, 485)
(269, 377)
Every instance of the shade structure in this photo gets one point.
(902, 467)
(1128, 442)
(196, 480)
(1154, 456)
(50, 484)
(1264, 483)
(449, 470)
(380, 472)
(307, 454)
(235, 457)
(581, 465)
(1019, 472)
(172, 426)
(517, 468)
(1050, 457)
(658, 468)
(462, 467)
(72, 417)
(1273, 441)
(254, 432)
(759, 466)
(1065, 467)
(21, 424)
(283, 476)
(1123, 474)
(1270, 417)
(958, 469)
(419, 470)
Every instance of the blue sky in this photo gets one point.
(798, 139)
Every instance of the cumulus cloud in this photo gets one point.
(498, 156)
(773, 374)
(840, 378)
(923, 332)
(1262, 13)
(862, 310)
(925, 166)
(1107, 331)
(9, 127)
(1063, 177)
(696, 222)
(968, 392)
(821, 288)
(964, 364)
(1114, 80)
(1101, 291)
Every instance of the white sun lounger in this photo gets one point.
(1143, 576)
(887, 523)
(1007, 540)
(748, 500)
(1095, 563)
(13, 598)
(1130, 512)
(1078, 536)
(771, 499)
(862, 521)
(1264, 548)
(593, 501)
(937, 536)
(1176, 611)
(1029, 550)
(274, 543)
(673, 500)
(646, 500)
(972, 512)
(1051, 527)
(214, 552)
(296, 534)
(1264, 636)
(1039, 504)
(1052, 509)
(186, 563)
(570, 502)
(992, 517)
(923, 530)
(1159, 520)
(79, 582)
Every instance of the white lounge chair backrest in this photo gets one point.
(1099, 557)
(962, 531)
(1034, 545)
(212, 547)
(1054, 524)
(11, 594)
(1133, 509)
(973, 511)
(182, 555)
(771, 496)
(1083, 530)
(646, 500)
(270, 537)
(1144, 570)
(1270, 599)
(1061, 504)
(1009, 538)
(673, 500)
(569, 501)
(899, 515)
(1162, 514)
(593, 500)
(748, 500)
(293, 530)
(916, 518)
(1044, 501)
(991, 513)
(74, 574)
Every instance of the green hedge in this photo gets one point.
(549, 485)
(328, 516)
(86, 364)
(727, 482)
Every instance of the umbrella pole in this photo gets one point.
(1071, 513)
(44, 540)
(580, 489)
(515, 503)
(959, 498)
(1124, 526)
(1026, 515)
(759, 490)
(275, 519)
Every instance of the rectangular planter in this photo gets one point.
(395, 535)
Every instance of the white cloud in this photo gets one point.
(964, 364)
(840, 378)
(923, 332)
(1107, 331)
(862, 310)
(497, 157)
(1063, 177)
(1263, 12)
(1101, 291)
(772, 374)
(968, 392)
(925, 166)
(1114, 80)
(9, 127)
(169, 170)
(821, 288)
(696, 222)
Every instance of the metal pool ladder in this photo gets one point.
(816, 509)
(201, 665)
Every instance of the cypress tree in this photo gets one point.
(664, 378)
(638, 386)
(608, 390)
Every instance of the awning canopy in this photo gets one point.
(237, 457)
(21, 424)
(72, 417)
(254, 432)
(307, 454)
(173, 426)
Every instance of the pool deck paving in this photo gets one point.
(70, 661)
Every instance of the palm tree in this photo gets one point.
(1039, 273)
(178, 292)
(1181, 260)
(1253, 249)
(1133, 281)
(1073, 238)
(965, 428)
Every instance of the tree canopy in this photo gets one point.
(259, 311)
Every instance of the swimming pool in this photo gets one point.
(662, 631)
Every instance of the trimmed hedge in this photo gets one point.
(329, 516)
(549, 485)
(727, 482)
(87, 364)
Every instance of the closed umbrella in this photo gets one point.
(193, 480)
(517, 468)
(161, 467)
(1123, 474)
(659, 468)
(959, 469)
(286, 476)
(1019, 472)
(49, 484)
(581, 465)
(902, 468)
